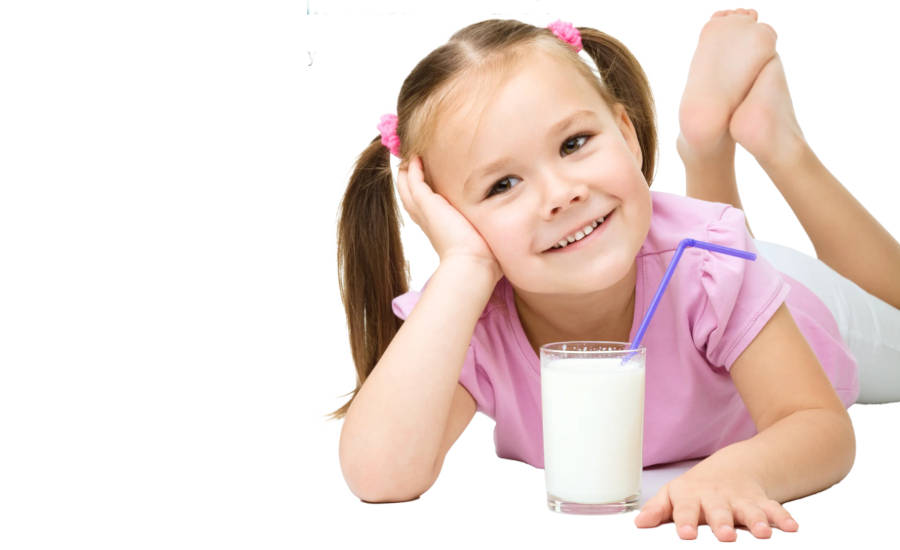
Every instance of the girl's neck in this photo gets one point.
(607, 314)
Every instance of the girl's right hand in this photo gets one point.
(450, 233)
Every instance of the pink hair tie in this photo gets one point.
(388, 129)
(567, 33)
(572, 36)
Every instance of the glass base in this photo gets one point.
(618, 507)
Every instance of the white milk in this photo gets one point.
(593, 411)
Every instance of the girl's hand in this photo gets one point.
(450, 233)
(719, 501)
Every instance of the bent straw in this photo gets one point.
(665, 281)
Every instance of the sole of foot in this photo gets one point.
(732, 49)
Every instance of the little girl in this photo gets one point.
(528, 165)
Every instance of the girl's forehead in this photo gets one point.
(539, 82)
(532, 92)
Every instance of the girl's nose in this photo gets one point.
(561, 195)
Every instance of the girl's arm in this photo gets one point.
(392, 440)
(805, 443)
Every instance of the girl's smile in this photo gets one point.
(579, 238)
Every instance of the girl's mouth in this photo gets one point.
(582, 242)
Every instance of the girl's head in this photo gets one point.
(559, 176)
(497, 89)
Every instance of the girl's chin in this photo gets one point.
(582, 283)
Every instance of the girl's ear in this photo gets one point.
(628, 131)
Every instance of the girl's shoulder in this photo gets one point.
(723, 299)
(676, 217)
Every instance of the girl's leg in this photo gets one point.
(711, 177)
(858, 247)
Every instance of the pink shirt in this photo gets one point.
(714, 306)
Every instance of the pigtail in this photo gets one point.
(371, 267)
(624, 79)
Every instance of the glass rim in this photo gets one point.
(554, 348)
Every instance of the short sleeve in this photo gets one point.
(472, 376)
(403, 305)
(740, 295)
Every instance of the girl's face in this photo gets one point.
(563, 160)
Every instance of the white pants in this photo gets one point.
(870, 326)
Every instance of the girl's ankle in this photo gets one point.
(791, 153)
(722, 153)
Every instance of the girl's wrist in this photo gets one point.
(473, 269)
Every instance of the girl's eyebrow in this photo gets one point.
(557, 128)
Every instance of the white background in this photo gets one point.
(171, 333)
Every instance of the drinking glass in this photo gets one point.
(592, 396)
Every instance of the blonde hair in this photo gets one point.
(371, 266)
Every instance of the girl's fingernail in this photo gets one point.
(791, 524)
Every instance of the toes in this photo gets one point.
(740, 11)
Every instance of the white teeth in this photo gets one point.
(585, 231)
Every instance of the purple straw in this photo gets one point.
(665, 281)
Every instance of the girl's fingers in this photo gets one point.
(403, 190)
(686, 516)
(753, 517)
(720, 519)
(657, 510)
(424, 198)
(416, 177)
(778, 515)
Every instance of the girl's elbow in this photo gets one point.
(373, 490)
(850, 439)
(379, 485)
(388, 497)
(845, 446)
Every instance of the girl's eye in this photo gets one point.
(575, 139)
(501, 186)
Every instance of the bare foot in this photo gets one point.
(732, 49)
(764, 123)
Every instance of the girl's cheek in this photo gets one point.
(510, 249)
(506, 249)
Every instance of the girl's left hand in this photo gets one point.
(720, 501)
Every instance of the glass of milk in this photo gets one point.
(593, 418)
